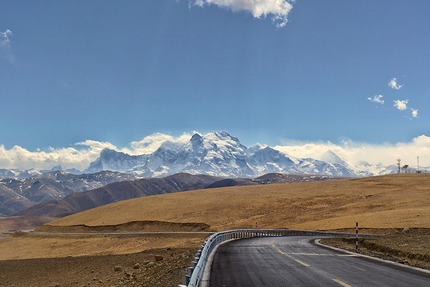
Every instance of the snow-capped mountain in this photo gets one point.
(17, 173)
(220, 154)
(21, 174)
(115, 161)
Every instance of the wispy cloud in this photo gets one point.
(377, 99)
(401, 105)
(151, 143)
(4, 38)
(279, 9)
(5, 49)
(394, 85)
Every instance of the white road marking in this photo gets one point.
(284, 253)
(341, 283)
(301, 262)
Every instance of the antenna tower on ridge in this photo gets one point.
(418, 164)
(398, 165)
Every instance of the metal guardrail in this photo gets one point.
(195, 272)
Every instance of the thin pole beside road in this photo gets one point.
(356, 237)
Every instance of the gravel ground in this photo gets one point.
(155, 268)
(408, 246)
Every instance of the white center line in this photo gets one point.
(341, 283)
(303, 263)
(284, 253)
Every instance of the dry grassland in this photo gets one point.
(25, 246)
(394, 201)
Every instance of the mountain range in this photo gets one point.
(216, 154)
(220, 154)
(17, 194)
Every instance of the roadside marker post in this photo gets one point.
(356, 237)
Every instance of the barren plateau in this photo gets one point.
(385, 204)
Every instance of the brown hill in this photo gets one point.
(271, 178)
(283, 178)
(79, 201)
(393, 201)
(232, 182)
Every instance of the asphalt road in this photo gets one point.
(297, 261)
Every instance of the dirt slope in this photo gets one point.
(13, 224)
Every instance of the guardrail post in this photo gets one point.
(190, 271)
(187, 280)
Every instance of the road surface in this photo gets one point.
(297, 261)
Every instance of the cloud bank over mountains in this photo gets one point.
(279, 9)
(356, 152)
(82, 154)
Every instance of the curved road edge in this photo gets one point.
(385, 261)
(205, 282)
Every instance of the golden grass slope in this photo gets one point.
(392, 201)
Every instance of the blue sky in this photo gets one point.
(112, 73)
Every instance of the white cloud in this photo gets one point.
(21, 158)
(414, 113)
(4, 38)
(258, 8)
(401, 104)
(5, 49)
(377, 99)
(69, 157)
(394, 85)
(96, 145)
(354, 152)
(151, 143)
